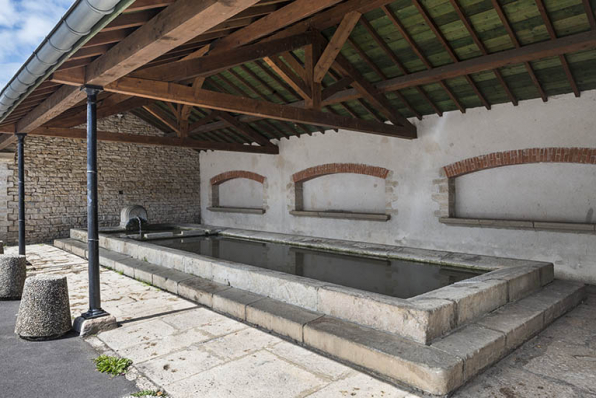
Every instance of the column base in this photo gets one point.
(86, 327)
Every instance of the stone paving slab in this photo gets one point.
(253, 363)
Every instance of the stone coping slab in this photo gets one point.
(520, 224)
(422, 318)
(244, 210)
(341, 215)
(436, 369)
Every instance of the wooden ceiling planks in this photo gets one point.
(452, 31)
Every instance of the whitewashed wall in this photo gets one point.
(562, 122)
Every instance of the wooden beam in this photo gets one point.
(312, 55)
(335, 45)
(223, 60)
(568, 44)
(338, 86)
(71, 77)
(187, 110)
(371, 94)
(382, 75)
(439, 35)
(285, 16)
(201, 122)
(175, 25)
(330, 17)
(553, 35)
(243, 128)
(7, 140)
(590, 14)
(481, 47)
(142, 5)
(115, 103)
(153, 140)
(172, 92)
(103, 38)
(289, 76)
(517, 44)
(163, 117)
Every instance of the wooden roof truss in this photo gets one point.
(273, 69)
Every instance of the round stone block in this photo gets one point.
(44, 312)
(13, 271)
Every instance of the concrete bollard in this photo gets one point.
(44, 312)
(13, 271)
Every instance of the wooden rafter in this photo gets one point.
(110, 106)
(223, 60)
(285, 16)
(172, 92)
(275, 21)
(465, 20)
(381, 43)
(338, 86)
(532, 52)
(262, 66)
(553, 35)
(263, 83)
(178, 23)
(243, 128)
(370, 93)
(312, 54)
(439, 35)
(289, 76)
(142, 5)
(590, 14)
(517, 44)
(383, 76)
(158, 113)
(335, 45)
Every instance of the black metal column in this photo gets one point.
(95, 310)
(21, 160)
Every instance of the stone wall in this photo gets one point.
(419, 193)
(164, 180)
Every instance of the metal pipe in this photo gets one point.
(21, 166)
(95, 310)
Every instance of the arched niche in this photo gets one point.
(238, 191)
(343, 191)
(534, 189)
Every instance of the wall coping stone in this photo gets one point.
(520, 224)
(244, 210)
(342, 215)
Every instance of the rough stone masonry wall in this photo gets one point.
(164, 180)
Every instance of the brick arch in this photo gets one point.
(521, 156)
(336, 168)
(231, 175)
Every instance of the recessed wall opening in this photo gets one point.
(345, 192)
(536, 188)
(238, 192)
(552, 192)
(241, 193)
(341, 190)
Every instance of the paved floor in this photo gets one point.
(57, 368)
(194, 352)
